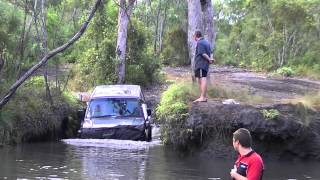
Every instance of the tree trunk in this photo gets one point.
(208, 25)
(163, 25)
(4, 100)
(1, 61)
(27, 35)
(200, 17)
(44, 51)
(123, 21)
(156, 30)
(74, 18)
(22, 36)
(194, 23)
(42, 43)
(57, 83)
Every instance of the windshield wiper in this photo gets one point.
(103, 116)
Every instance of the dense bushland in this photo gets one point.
(30, 116)
(270, 35)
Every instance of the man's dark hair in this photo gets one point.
(244, 137)
(198, 33)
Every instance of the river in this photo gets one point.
(126, 160)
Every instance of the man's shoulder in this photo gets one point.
(203, 41)
(256, 157)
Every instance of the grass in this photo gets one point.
(241, 95)
(307, 71)
(218, 91)
(311, 101)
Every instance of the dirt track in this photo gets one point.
(272, 90)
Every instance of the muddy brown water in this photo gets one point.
(126, 160)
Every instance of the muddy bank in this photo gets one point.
(293, 133)
(33, 124)
(279, 129)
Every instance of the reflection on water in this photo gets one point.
(116, 159)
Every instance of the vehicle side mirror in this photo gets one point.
(81, 114)
(149, 112)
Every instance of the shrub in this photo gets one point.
(35, 82)
(29, 116)
(270, 114)
(285, 71)
(172, 113)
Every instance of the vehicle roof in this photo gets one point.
(127, 91)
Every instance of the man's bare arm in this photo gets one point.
(208, 58)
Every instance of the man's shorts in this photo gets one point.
(200, 73)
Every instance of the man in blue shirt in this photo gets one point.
(202, 61)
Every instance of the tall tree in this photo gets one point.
(21, 45)
(44, 50)
(125, 9)
(156, 29)
(42, 41)
(208, 24)
(194, 23)
(5, 99)
(200, 17)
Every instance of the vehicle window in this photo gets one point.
(115, 107)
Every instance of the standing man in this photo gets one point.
(249, 165)
(202, 61)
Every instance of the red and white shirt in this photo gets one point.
(250, 166)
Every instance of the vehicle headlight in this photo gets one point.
(87, 123)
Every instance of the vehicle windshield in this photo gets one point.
(114, 107)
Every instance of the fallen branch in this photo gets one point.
(51, 54)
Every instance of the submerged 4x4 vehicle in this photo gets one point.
(117, 112)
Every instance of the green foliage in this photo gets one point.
(35, 82)
(142, 67)
(96, 66)
(268, 35)
(9, 21)
(270, 114)
(173, 111)
(96, 53)
(305, 70)
(175, 48)
(29, 115)
(285, 71)
(10, 28)
(70, 99)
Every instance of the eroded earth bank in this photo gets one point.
(269, 107)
